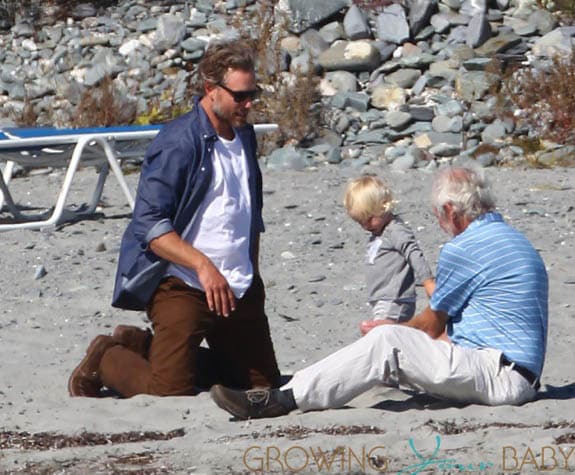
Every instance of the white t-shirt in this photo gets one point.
(221, 229)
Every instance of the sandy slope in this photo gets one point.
(311, 262)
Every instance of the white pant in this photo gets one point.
(394, 355)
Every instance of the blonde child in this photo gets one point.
(394, 259)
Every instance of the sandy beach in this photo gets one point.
(56, 287)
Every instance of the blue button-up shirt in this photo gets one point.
(176, 174)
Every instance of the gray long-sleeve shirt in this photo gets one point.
(395, 263)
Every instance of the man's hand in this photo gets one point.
(220, 297)
(367, 325)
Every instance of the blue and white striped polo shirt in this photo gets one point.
(493, 285)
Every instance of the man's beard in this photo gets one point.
(230, 118)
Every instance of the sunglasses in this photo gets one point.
(242, 96)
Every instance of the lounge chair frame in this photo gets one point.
(86, 143)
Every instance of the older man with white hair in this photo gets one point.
(482, 339)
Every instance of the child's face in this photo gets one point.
(375, 224)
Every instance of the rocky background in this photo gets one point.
(405, 85)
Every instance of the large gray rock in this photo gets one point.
(392, 24)
(83, 10)
(557, 42)
(404, 78)
(355, 24)
(442, 123)
(403, 163)
(342, 81)
(474, 85)
(355, 100)
(193, 44)
(520, 27)
(302, 63)
(494, 132)
(350, 56)
(170, 31)
(478, 31)
(445, 149)
(313, 42)
(287, 158)
(421, 113)
(498, 44)
(544, 20)
(449, 108)
(398, 120)
(420, 12)
(440, 22)
(332, 31)
(305, 14)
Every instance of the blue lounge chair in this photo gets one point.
(103, 147)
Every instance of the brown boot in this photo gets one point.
(85, 379)
(133, 338)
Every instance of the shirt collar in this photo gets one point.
(489, 217)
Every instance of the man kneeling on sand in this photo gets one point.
(491, 296)
(190, 254)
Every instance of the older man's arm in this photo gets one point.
(432, 322)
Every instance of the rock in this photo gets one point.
(478, 31)
(305, 14)
(287, 158)
(494, 132)
(355, 24)
(40, 272)
(350, 56)
(83, 10)
(556, 42)
(332, 31)
(474, 85)
(342, 81)
(520, 27)
(313, 42)
(498, 44)
(445, 150)
(443, 123)
(392, 24)
(170, 31)
(421, 113)
(472, 8)
(398, 120)
(420, 12)
(544, 20)
(356, 100)
(388, 96)
(403, 163)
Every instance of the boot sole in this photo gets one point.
(78, 370)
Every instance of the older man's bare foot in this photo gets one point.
(367, 325)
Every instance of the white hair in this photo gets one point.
(466, 189)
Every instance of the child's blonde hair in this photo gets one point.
(367, 196)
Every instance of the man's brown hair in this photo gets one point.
(221, 56)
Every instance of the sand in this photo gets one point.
(311, 262)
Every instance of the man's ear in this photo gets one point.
(447, 209)
(209, 87)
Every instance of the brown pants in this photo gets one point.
(240, 346)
